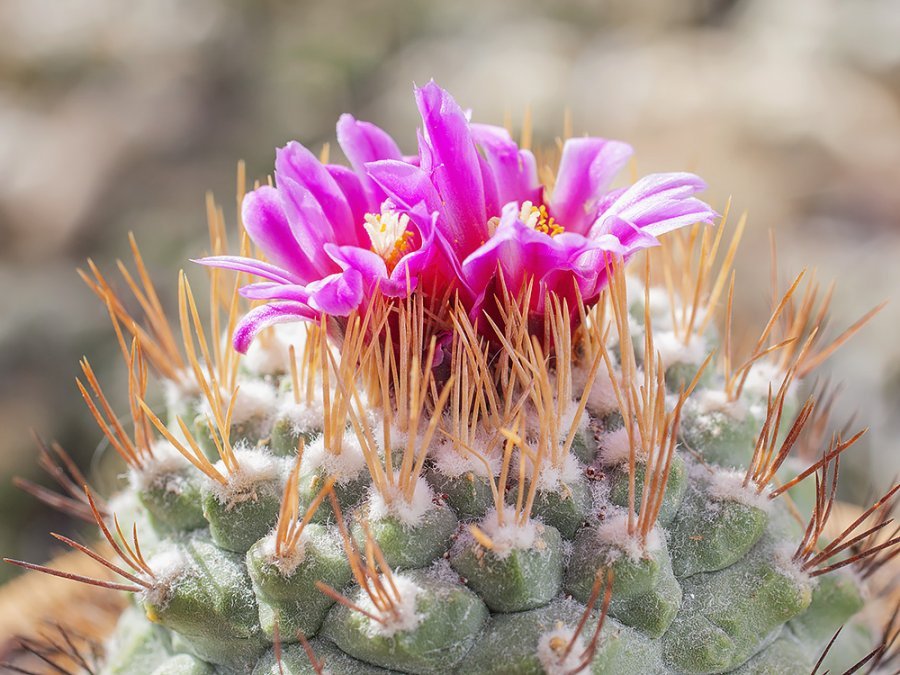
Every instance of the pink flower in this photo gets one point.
(467, 208)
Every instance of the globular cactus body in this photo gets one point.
(525, 480)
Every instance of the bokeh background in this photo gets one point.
(117, 116)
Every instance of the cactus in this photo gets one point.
(525, 480)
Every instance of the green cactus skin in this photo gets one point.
(236, 526)
(520, 580)
(785, 656)
(675, 488)
(654, 611)
(721, 438)
(583, 447)
(680, 375)
(835, 599)
(506, 647)
(211, 601)
(711, 592)
(173, 502)
(349, 492)
(567, 507)
(634, 577)
(711, 534)
(295, 661)
(468, 494)
(406, 547)
(854, 642)
(686, 607)
(137, 645)
(733, 611)
(293, 601)
(284, 437)
(450, 619)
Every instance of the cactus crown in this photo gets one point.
(544, 482)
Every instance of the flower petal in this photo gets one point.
(514, 170)
(250, 266)
(337, 294)
(268, 228)
(363, 142)
(656, 204)
(310, 225)
(358, 198)
(298, 164)
(585, 170)
(267, 315)
(267, 290)
(453, 164)
(405, 184)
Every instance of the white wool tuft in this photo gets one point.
(672, 350)
(158, 470)
(272, 356)
(660, 312)
(399, 437)
(255, 467)
(510, 536)
(452, 462)
(403, 617)
(344, 467)
(256, 400)
(716, 400)
(762, 374)
(407, 512)
(183, 388)
(552, 477)
(168, 566)
(287, 565)
(783, 561)
(615, 448)
(303, 418)
(728, 485)
(614, 531)
(551, 647)
(602, 397)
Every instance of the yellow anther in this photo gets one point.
(537, 218)
(388, 235)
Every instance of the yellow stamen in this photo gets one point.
(537, 218)
(389, 235)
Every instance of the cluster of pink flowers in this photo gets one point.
(467, 208)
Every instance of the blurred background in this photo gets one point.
(119, 116)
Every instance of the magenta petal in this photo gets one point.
(556, 263)
(337, 294)
(514, 170)
(454, 164)
(267, 290)
(585, 171)
(489, 183)
(358, 198)
(656, 204)
(298, 164)
(405, 184)
(363, 142)
(367, 263)
(264, 316)
(250, 266)
(268, 228)
(310, 225)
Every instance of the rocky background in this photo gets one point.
(118, 116)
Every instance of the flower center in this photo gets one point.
(388, 234)
(537, 218)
